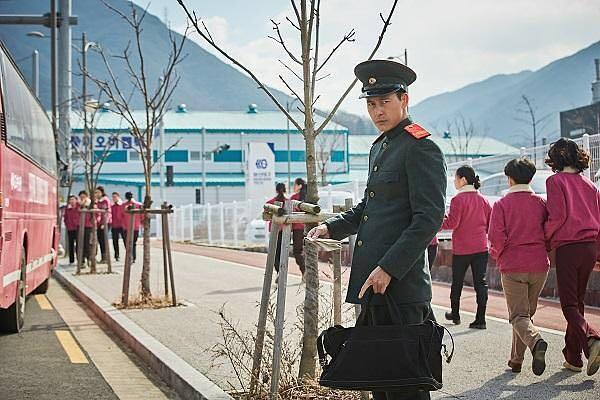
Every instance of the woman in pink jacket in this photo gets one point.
(573, 230)
(468, 217)
(71, 218)
(518, 245)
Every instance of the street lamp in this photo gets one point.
(35, 71)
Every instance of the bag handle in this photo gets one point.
(448, 357)
(321, 350)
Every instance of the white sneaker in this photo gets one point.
(594, 359)
(571, 367)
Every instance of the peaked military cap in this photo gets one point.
(382, 77)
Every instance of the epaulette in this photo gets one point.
(417, 131)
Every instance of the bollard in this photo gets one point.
(280, 311)
(106, 245)
(128, 260)
(163, 221)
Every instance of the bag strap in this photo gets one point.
(363, 317)
(321, 350)
(448, 357)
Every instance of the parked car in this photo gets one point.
(495, 186)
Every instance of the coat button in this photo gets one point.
(376, 168)
(359, 243)
(385, 145)
(371, 194)
(365, 218)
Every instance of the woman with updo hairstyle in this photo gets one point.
(573, 231)
(468, 218)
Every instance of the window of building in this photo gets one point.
(195, 156)
(134, 156)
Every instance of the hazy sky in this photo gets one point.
(450, 43)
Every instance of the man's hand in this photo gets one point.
(319, 231)
(379, 279)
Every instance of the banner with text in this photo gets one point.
(260, 173)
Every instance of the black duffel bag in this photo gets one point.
(383, 358)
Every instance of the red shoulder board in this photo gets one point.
(417, 131)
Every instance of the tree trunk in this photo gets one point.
(145, 279)
(308, 358)
(146, 293)
(94, 237)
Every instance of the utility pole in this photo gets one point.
(84, 98)
(35, 68)
(64, 81)
(161, 149)
(203, 155)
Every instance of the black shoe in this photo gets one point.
(477, 325)
(454, 317)
(514, 367)
(539, 357)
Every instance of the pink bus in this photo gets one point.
(28, 196)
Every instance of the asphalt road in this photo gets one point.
(40, 364)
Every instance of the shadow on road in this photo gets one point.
(257, 289)
(505, 386)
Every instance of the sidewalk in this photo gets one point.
(209, 279)
(549, 314)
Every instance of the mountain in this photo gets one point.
(493, 104)
(207, 83)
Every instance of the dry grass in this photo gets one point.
(152, 303)
(237, 345)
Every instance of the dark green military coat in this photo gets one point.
(401, 212)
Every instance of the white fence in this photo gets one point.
(240, 223)
(223, 223)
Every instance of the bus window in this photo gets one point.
(27, 127)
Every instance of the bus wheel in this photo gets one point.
(13, 318)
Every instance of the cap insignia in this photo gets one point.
(372, 81)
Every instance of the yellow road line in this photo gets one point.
(71, 347)
(43, 302)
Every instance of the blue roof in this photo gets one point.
(212, 179)
(478, 145)
(235, 121)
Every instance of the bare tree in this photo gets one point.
(92, 160)
(156, 100)
(326, 144)
(528, 112)
(462, 134)
(307, 68)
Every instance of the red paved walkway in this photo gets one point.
(549, 314)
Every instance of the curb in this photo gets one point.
(178, 374)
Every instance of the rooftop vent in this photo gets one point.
(252, 109)
(182, 108)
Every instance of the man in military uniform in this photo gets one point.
(401, 211)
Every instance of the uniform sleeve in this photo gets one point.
(426, 176)
(556, 207)
(452, 219)
(346, 224)
(497, 231)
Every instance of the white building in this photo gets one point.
(225, 171)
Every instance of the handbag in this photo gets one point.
(383, 358)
